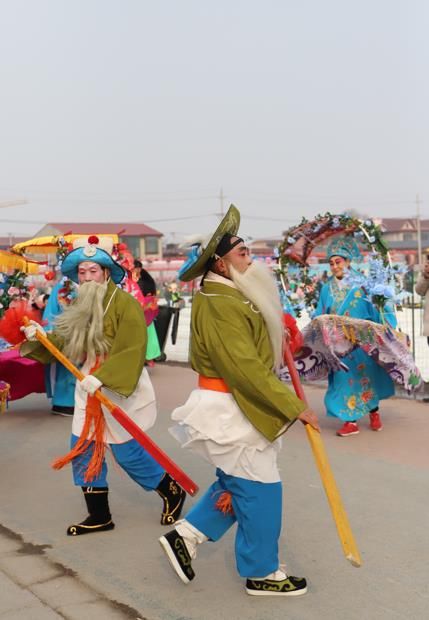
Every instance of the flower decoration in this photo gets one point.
(123, 256)
(381, 284)
(351, 403)
(49, 275)
(67, 292)
(63, 248)
(14, 287)
(93, 240)
(300, 241)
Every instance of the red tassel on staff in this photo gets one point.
(135, 431)
(94, 418)
(92, 432)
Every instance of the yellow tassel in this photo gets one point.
(4, 395)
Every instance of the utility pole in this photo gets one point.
(419, 232)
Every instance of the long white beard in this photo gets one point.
(258, 285)
(81, 324)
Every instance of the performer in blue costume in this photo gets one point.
(60, 383)
(356, 393)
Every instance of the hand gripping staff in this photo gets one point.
(338, 512)
(144, 440)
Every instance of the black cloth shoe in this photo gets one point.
(62, 410)
(173, 497)
(99, 519)
(178, 555)
(291, 586)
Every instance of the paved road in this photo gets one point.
(383, 478)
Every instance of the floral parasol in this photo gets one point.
(301, 240)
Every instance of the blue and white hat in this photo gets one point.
(95, 250)
(346, 247)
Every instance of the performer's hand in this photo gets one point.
(90, 384)
(31, 329)
(309, 417)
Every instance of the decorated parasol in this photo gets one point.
(50, 244)
(10, 261)
(302, 240)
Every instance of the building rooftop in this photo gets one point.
(6, 242)
(123, 229)
(401, 224)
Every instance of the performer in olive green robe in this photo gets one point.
(236, 416)
(104, 331)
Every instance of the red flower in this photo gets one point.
(49, 275)
(93, 240)
(367, 396)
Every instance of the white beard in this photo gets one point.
(81, 324)
(257, 283)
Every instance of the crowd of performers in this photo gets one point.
(234, 419)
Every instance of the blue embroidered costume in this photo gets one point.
(353, 394)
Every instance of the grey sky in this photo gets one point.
(137, 110)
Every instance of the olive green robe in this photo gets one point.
(229, 340)
(125, 329)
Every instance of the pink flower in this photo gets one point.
(13, 291)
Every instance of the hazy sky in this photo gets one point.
(138, 110)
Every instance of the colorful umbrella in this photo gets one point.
(10, 261)
(50, 244)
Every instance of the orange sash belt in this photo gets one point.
(212, 383)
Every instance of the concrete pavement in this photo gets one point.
(382, 477)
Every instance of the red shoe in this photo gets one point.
(375, 421)
(348, 428)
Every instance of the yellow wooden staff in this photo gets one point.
(339, 514)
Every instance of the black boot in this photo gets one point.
(173, 497)
(99, 519)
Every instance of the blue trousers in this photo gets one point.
(131, 456)
(258, 513)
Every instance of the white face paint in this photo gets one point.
(89, 271)
(338, 266)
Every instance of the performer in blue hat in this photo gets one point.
(104, 332)
(352, 395)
